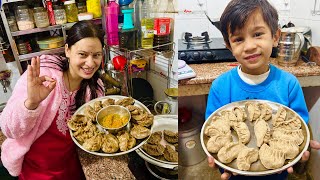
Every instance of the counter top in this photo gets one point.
(98, 167)
(206, 73)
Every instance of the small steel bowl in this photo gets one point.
(113, 109)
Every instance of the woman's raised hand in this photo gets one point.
(37, 91)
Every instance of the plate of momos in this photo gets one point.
(161, 149)
(255, 137)
(92, 138)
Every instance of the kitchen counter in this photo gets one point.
(307, 75)
(98, 167)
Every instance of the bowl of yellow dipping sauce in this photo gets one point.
(113, 118)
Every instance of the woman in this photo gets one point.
(38, 145)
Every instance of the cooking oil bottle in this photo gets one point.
(146, 25)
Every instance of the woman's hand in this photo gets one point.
(226, 174)
(305, 157)
(37, 92)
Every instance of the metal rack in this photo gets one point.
(20, 58)
(146, 54)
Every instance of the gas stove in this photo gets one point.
(203, 49)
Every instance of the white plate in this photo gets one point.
(115, 97)
(257, 169)
(161, 122)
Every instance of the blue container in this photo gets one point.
(125, 2)
(127, 18)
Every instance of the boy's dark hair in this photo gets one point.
(237, 13)
(81, 30)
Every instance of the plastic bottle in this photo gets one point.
(137, 20)
(94, 7)
(112, 12)
(146, 25)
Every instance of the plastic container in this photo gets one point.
(127, 18)
(24, 18)
(162, 26)
(112, 13)
(125, 2)
(59, 14)
(82, 7)
(40, 17)
(94, 7)
(147, 25)
(51, 42)
(71, 11)
(85, 16)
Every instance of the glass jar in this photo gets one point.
(24, 18)
(40, 17)
(22, 48)
(82, 8)
(12, 24)
(71, 11)
(59, 14)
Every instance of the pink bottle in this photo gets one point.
(112, 12)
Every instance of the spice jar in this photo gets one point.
(59, 14)
(24, 18)
(23, 46)
(12, 24)
(40, 17)
(71, 11)
(82, 8)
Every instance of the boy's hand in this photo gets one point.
(305, 157)
(226, 174)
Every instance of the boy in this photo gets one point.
(250, 30)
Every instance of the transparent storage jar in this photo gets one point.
(82, 8)
(12, 24)
(71, 11)
(59, 14)
(24, 18)
(40, 17)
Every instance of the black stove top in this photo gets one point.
(202, 49)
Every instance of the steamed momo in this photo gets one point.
(215, 143)
(242, 131)
(229, 152)
(262, 132)
(290, 148)
(266, 111)
(253, 111)
(239, 113)
(217, 124)
(271, 158)
(291, 124)
(246, 157)
(293, 135)
(280, 117)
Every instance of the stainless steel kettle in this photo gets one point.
(289, 48)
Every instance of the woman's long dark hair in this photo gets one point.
(81, 30)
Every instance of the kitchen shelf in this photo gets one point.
(12, 35)
(35, 30)
(11, 1)
(25, 57)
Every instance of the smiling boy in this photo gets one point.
(250, 30)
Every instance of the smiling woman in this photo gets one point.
(45, 96)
